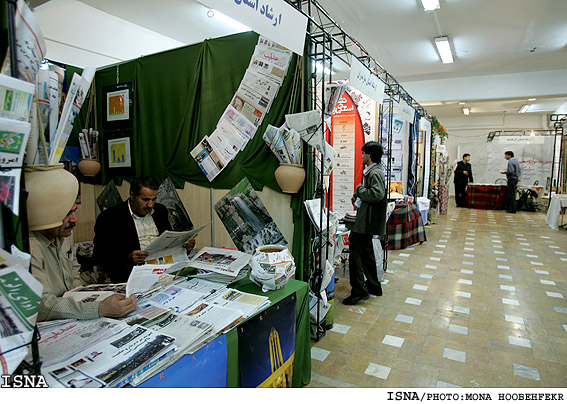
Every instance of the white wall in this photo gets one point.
(469, 133)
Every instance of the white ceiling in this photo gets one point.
(506, 51)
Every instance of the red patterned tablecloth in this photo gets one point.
(405, 227)
(486, 196)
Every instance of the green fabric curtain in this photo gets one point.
(179, 96)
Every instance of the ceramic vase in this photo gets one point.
(52, 191)
(89, 167)
(290, 177)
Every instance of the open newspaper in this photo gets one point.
(113, 362)
(168, 247)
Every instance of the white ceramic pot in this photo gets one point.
(52, 191)
(290, 177)
(89, 167)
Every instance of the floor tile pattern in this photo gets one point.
(480, 304)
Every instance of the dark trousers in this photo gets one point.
(460, 193)
(511, 195)
(362, 263)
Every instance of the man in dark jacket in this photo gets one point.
(463, 174)
(122, 232)
(370, 199)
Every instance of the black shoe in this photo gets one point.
(354, 299)
(376, 291)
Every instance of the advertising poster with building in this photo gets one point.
(266, 346)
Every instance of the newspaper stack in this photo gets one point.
(247, 109)
(111, 362)
(220, 264)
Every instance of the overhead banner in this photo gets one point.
(363, 80)
(405, 111)
(523, 140)
(274, 19)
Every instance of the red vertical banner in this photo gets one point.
(347, 138)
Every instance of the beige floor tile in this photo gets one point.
(477, 305)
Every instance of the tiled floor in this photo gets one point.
(481, 304)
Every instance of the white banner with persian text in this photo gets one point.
(364, 81)
(274, 19)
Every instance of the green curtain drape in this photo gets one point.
(179, 96)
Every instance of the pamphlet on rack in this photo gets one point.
(15, 98)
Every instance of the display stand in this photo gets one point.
(9, 232)
(327, 41)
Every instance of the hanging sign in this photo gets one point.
(274, 19)
(363, 80)
(405, 111)
(512, 140)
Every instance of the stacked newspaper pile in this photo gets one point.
(252, 101)
(220, 265)
(199, 304)
(101, 352)
(174, 318)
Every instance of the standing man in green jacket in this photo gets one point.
(371, 202)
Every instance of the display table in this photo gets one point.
(556, 206)
(486, 196)
(176, 375)
(405, 227)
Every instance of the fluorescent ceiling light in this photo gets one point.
(444, 48)
(466, 110)
(524, 108)
(430, 5)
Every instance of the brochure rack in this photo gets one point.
(326, 40)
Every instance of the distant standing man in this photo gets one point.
(370, 199)
(463, 174)
(513, 174)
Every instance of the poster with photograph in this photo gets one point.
(109, 197)
(176, 213)
(246, 219)
(266, 346)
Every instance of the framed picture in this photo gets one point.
(118, 153)
(118, 105)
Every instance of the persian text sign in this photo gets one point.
(364, 81)
(275, 19)
(521, 140)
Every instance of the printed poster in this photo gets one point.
(246, 219)
(266, 346)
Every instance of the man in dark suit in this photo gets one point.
(123, 231)
(463, 174)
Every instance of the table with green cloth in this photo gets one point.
(405, 227)
(302, 358)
